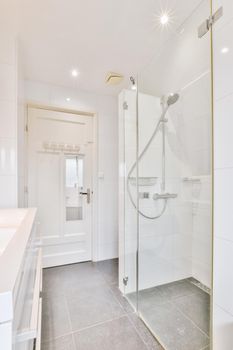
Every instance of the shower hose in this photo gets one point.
(134, 166)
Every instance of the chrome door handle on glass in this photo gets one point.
(88, 194)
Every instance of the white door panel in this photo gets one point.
(60, 158)
(48, 193)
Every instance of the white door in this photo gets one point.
(60, 158)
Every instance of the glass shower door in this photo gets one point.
(174, 181)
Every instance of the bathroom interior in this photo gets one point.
(116, 175)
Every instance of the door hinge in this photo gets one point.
(26, 128)
(125, 105)
(209, 22)
(25, 189)
(125, 280)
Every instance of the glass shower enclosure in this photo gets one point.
(165, 207)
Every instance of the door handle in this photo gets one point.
(88, 194)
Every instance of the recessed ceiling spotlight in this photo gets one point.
(225, 50)
(164, 19)
(68, 99)
(74, 73)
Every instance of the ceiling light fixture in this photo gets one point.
(68, 99)
(164, 19)
(225, 50)
(113, 78)
(74, 73)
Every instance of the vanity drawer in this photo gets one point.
(27, 297)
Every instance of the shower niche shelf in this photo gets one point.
(143, 181)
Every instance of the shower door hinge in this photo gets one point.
(208, 23)
(125, 105)
(125, 280)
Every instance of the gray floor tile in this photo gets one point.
(178, 289)
(109, 269)
(55, 318)
(148, 298)
(144, 332)
(63, 343)
(132, 298)
(52, 282)
(174, 330)
(197, 308)
(121, 299)
(114, 335)
(79, 276)
(93, 306)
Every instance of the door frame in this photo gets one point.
(95, 166)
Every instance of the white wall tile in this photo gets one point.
(223, 133)
(223, 218)
(223, 68)
(227, 12)
(8, 48)
(223, 185)
(8, 190)
(7, 82)
(7, 119)
(8, 162)
(223, 274)
(223, 329)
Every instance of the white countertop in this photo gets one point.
(15, 229)
(10, 220)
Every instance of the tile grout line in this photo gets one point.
(189, 319)
(114, 297)
(99, 324)
(70, 322)
(147, 345)
(83, 329)
(107, 285)
(131, 322)
(126, 315)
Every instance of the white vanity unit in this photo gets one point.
(20, 280)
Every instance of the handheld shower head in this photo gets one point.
(172, 99)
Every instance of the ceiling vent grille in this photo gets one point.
(113, 78)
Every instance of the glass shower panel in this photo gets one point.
(174, 182)
(128, 130)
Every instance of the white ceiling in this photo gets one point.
(94, 36)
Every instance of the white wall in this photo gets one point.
(8, 120)
(223, 187)
(106, 109)
(21, 117)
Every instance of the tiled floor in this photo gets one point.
(83, 309)
(178, 313)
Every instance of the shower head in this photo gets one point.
(172, 99)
